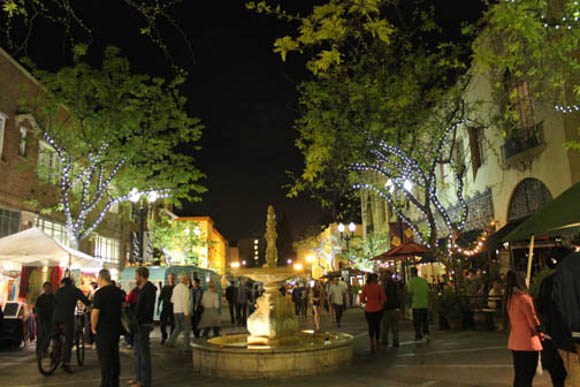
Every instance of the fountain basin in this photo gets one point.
(303, 353)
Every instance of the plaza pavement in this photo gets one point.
(465, 358)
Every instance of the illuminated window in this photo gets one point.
(256, 241)
(55, 230)
(108, 249)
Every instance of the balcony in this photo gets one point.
(523, 147)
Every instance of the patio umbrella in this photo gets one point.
(404, 250)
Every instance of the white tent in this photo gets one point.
(33, 247)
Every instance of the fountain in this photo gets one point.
(274, 347)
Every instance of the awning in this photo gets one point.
(560, 216)
(404, 250)
(33, 247)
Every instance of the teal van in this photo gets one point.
(158, 277)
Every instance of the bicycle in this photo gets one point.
(51, 352)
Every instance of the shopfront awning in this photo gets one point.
(560, 216)
(33, 247)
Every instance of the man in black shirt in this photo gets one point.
(390, 319)
(231, 295)
(65, 302)
(164, 303)
(44, 309)
(106, 326)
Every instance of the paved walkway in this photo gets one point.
(465, 358)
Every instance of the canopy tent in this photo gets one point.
(560, 216)
(404, 250)
(33, 247)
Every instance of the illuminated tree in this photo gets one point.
(115, 136)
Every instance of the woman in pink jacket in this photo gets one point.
(524, 340)
(374, 298)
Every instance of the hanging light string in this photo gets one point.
(477, 246)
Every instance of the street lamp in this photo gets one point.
(136, 197)
(347, 236)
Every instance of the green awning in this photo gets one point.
(560, 216)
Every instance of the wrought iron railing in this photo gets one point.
(522, 141)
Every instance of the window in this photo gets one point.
(9, 222)
(49, 165)
(520, 101)
(459, 155)
(108, 250)
(56, 230)
(2, 128)
(22, 143)
(476, 148)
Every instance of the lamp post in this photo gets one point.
(346, 236)
(142, 200)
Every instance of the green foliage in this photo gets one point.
(371, 82)
(535, 41)
(170, 236)
(361, 252)
(114, 131)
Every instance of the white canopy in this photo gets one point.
(33, 247)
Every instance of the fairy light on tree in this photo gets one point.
(116, 139)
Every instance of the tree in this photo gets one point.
(361, 252)
(379, 68)
(22, 18)
(115, 136)
(531, 41)
(404, 180)
(177, 238)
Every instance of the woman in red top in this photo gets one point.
(524, 340)
(373, 296)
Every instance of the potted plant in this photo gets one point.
(451, 307)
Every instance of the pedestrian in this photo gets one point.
(164, 304)
(144, 310)
(556, 333)
(210, 303)
(304, 300)
(44, 309)
(373, 297)
(65, 303)
(336, 295)
(131, 301)
(196, 309)
(181, 300)
(566, 295)
(297, 299)
(524, 338)
(390, 319)
(106, 327)
(242, 303)
(316, 300)
(418, 288)
(231, 295)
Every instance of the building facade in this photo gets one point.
(30, 170)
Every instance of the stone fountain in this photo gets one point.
(274, 347)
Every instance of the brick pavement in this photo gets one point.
(465, 358)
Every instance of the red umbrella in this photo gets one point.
(407, 249)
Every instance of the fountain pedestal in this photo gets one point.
(274, 318)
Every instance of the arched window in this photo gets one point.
(529, 196)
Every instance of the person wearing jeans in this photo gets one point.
(390, 319)
(181, 299)
(144, 310)
(419, 289)
(336, 294)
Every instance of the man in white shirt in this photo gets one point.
(336, 294)
(182, 311)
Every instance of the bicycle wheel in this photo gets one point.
(80, 344)
(49, 355)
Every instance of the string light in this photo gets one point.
(567, 109)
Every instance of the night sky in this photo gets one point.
(244, 94)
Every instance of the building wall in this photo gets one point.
(212, 252)
(549, 163)
(21, 190)
(252, 250)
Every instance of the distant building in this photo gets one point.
(252, 250)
